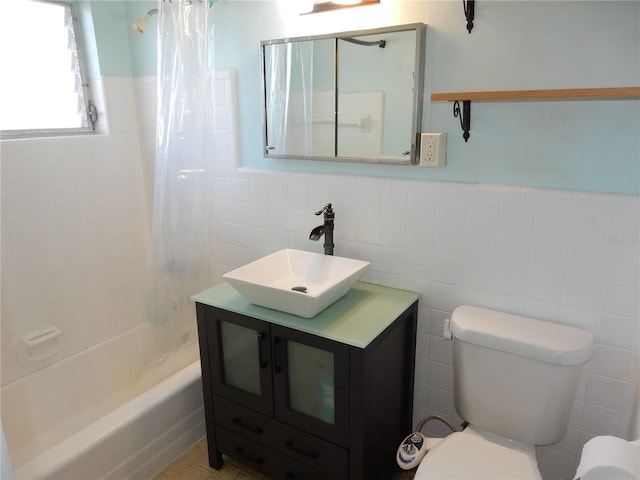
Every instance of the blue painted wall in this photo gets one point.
(517, 44)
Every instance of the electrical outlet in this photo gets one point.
(433, 148)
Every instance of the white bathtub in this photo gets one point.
(62, 423)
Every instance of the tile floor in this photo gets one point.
(193, 465)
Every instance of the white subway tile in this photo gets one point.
(516, 217)
(619, 331)
(623, 265)
(604, 421)
(451, 211)
(476, 274)
(610, 393)
(553, 221)
(480, 244)
(549, 254)
(509, 280)
(582, 292)
(440, 375)
(482, 214)
(421, 207)
(592, 225)
(447, 270)
(544, 286)
(513, 249)
(615, 363)
(448, 241)
(621, 299)
(587, 259)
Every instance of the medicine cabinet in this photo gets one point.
(351, 96)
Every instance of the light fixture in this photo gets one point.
(305, 6)
(141, 24)
(326, 5)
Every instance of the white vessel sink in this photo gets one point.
(297, 282)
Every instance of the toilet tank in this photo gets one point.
(516, 376)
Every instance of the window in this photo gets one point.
(42, 90)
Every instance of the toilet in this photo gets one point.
(515, 380)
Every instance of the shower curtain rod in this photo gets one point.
(211, 2)
(141, 24)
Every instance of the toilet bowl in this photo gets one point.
(515, 380)
(479, 455)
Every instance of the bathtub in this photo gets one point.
(61, 424)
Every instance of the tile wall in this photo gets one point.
(75, 235)
(564, 256)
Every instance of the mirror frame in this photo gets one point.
(418, 92)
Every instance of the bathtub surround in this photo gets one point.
(75, 235)
(75, 251)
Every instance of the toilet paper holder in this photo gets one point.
(609, 457)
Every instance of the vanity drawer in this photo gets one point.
(303, 447)
(264, 459)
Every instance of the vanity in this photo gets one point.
(329, 397)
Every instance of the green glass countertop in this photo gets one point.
(356, 319)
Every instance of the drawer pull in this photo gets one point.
(252, 458)
(241, 424)
(291, 446)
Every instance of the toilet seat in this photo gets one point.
(474, 454)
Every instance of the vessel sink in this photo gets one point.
(297, 282)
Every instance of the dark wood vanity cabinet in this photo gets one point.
(285, 396)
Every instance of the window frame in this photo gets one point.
(89, 111)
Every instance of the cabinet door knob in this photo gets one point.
(263, 362)
(277, 356)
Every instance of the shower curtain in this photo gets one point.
(182, 223)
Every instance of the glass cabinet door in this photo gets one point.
(241, 365)
(311, 383)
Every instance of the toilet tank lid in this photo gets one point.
(544, 341)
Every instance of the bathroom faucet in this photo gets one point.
(325, 229)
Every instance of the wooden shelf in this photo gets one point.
(555, 94)
(464, 114)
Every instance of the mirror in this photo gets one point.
(352, 96)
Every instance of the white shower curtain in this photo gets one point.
(181, 263)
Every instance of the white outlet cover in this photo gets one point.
(433, 147)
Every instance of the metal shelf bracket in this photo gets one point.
(469, 13)
(464, 115)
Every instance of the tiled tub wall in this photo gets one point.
(75, 235)
(564, 256)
